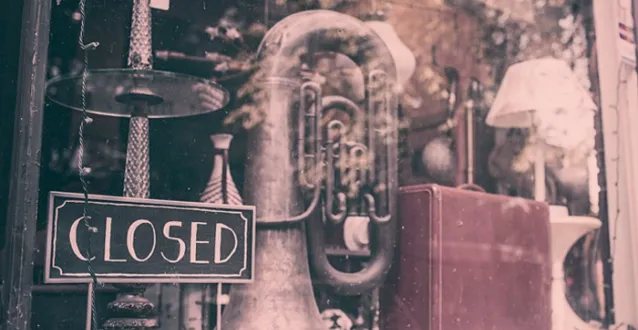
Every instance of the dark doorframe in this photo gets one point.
(603, 201)
(24, 170)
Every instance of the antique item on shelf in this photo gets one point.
(221, 189)
(194, 303)
(565, 231)
(469, 260)
(336, 319)
(546, 96)
(473, 97)
(403, 57)
(532, 94)
(438, 156)
(439, 160)
(139, 93)
(298, 163)
(355, 233)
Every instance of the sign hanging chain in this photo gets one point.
(92, 323)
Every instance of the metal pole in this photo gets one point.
(219, 302)
(25, 165)
(603, 214)
(89, 306)
(469, 131)
(131, 310)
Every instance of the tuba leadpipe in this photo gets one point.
(291, 171)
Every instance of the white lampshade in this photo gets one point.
(532, 88)
(403, 57)
(540, 94)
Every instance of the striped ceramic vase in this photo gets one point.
(221, 189)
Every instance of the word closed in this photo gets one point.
(147, 241)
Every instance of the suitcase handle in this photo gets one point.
(472, 187)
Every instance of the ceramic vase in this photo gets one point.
(221, 189)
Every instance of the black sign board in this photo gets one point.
(148, 241)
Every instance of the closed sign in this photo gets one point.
(148, 241)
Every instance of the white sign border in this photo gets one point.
(145, 278)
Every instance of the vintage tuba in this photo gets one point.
(297, 175)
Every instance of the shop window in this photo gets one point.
(450, 58)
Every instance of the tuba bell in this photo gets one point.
(297, 175)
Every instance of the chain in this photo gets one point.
(81, 169)
(621, 86)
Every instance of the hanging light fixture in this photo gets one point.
(403, 57)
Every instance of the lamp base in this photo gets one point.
(565, 230)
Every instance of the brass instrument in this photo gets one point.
(295, 170)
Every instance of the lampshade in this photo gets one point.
(568, 130)
(403, 58)
(537, 88)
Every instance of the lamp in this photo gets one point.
(532, 94)
(565, 232)
(404, 59)
(545, 96)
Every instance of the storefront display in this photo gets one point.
(361, 133)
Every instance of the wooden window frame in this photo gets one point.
(30, 20)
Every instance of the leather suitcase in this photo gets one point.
(468, 260)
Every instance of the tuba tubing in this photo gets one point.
(352, 283)
(281, 296)
(274, 181)
(383, 228)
